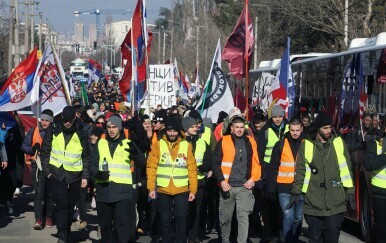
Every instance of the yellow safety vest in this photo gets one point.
(69, 156)
(119, 165)
(379, 176)
(344, 171)
(206, 135)
(177, 169)
(199, 155)
(272, 139)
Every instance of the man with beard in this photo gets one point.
(172, 168)
(65, 160)
(323, 176)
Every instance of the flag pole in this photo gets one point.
(246, 58)
(62, 76)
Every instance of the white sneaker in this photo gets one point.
(93, 203)
(17, 191)
(76, 215)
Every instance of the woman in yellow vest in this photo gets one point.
(172, 180)
(323, 176)
(203, 156)
(112, 165)
(376, 163)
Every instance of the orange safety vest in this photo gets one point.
(36, 138)
(286, 172)
(228, 157)
(125, 131)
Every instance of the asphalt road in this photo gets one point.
(18, 228)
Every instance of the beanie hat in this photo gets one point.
(235, 112)
(116, 121)
(188, 122)
(221, 116)
(323, 119)
(68, 114)
(160, 116)
(97, 131)
(195, 115)
(277, 110)
(47, 115)
(173, 123)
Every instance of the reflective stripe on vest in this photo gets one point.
(177, 169)
(69, 156)
(344, 172)
(199, 156)
(206, 135)
(272, 139)
(286, 171)
(36, 138)
(119, 165)
(379, 176)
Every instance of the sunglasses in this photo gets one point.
(100, 123)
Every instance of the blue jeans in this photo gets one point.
(292, 218)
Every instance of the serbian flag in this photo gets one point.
(197, 80)
(185, 84)
(124, 83)
(94, 70)
(239, 45)
(283, 90)
(16, 91)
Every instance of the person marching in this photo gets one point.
(376, 163)
(172, 180)
(203, 155)
(281, 178)
(64, 156)
(323, 176)
(237, 168)
(31, 146)
(112, 168)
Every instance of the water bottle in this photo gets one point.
(105, 165)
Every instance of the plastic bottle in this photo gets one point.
(105, 165)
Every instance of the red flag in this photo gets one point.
(124, 83)
(240, 102)
(239, 46)
(139, 40)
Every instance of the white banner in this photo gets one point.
(162, 88)
(262, 91)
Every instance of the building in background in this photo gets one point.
(79, 32)
(116, 32)
(91, 34)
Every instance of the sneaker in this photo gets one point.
(38, 224)
(82, 225)
(48, 223)
(93, 203)
(76, 215)
(17, 192)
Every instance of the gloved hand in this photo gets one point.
(103, 175)
(36, 147)
(294, 199)
(271, 196)
(132, 150)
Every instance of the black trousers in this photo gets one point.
(195, 209)
(65, 197)
(43, 202)
(211, 205)
(324, 229)
(82, 203)
(8, 183)
(379, 209)
(271, 214)
(168, 206)
(124, 216)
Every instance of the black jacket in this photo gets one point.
(206, 161)
(27, 145)
(45, 152)
(373, 162)
(111, 191)
(218, 154)
(274, 165)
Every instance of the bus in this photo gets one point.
(319, 80)
(78, 67)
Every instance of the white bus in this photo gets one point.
(78, 67)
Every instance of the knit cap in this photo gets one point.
(277, 110)
(173, 123)
(188, 122)
(116, 121)
(323, 119)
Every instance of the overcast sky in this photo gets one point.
(60, 12)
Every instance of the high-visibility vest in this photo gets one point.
(206, 135)
(286, 171)
(119, 165)
(69, 156)
(229, 152)
(36, 138)
(272, 139)
(125, 131)
(344, 171)
(177, 169)
(379, 176)
(199, 155)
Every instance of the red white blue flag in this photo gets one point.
(16, 91)
(94, 70)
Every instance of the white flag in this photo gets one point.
(50, 93)
(216, 95)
